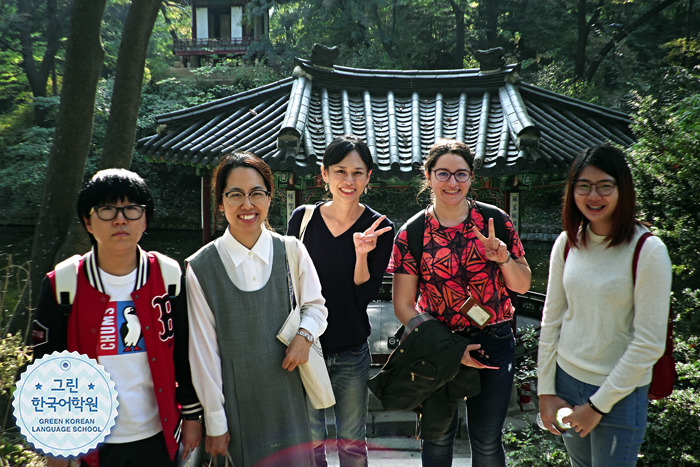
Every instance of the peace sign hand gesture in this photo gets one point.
(495, 249)
(366, 241)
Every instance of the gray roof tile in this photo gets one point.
(511, 126)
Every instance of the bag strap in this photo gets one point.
(288, 245)
(492, 212)
(637, 250)
(171, 273)
(415, 227)
(66, 279)
(635, 259)
(308, 212)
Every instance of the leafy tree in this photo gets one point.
(66, 164)
(622, 32)
(31, 28)
(126, 97)
(667, 170)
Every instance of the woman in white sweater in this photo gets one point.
(602, 332)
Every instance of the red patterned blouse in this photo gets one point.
(454, 267)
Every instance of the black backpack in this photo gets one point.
(416, 225)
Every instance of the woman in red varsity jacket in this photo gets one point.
(124, 316)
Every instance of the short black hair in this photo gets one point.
(111, 186)
(342, 146)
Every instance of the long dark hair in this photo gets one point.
(611, 161)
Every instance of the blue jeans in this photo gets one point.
(616, 440)
(486, 412)
(349, 372)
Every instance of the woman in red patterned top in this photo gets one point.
(461, 258)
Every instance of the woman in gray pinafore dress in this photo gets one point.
(238, 298)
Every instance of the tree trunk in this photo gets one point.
(38, 76)
(624, 32)
(459, 34)
(171, 29)
(492, 23)
(126, 96)
(66, 165)
(584, 30)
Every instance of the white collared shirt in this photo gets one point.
(252, 271)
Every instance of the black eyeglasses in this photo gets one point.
(107, 212)
(236, 198)
(603, 188)
(462, 176)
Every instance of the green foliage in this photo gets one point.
(672, 433)
(666, 166)
(14, 355)
(372, 34)
(232, 76)
(674, 423)
(13, 83)
(13, 448)
(22, 174)
(525, 355)
(534, 447)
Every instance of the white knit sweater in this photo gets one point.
(596, 325)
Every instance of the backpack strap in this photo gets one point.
(492, 212)
(415, 227)
(66, 279)
(171, 272)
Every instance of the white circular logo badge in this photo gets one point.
(65, 404)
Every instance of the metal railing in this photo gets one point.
(212, 46)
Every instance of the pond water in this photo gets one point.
(179, 244)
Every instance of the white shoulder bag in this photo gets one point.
(314, 375)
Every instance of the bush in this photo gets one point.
(666, 166)
(534, 447)
(672, 434)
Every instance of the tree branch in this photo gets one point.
(624, 32)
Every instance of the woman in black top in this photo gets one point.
(350, 244)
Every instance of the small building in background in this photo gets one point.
(220, 28)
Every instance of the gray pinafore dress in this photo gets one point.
(265, 404)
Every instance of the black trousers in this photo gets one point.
(149, 452)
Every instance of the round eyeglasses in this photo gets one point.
(604, 188)
(461, 176)
(236, 198)
(107, 212)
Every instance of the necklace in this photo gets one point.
(466, 219)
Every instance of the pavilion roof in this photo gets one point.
(510, 126)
